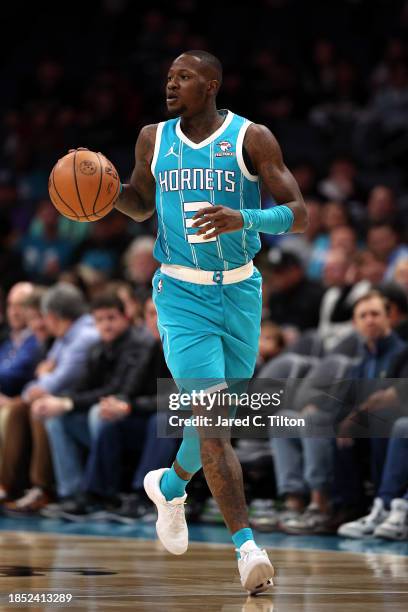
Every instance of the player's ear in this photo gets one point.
(213, 87)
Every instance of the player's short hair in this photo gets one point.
(108, 299)
(209, 59)
(65, 301)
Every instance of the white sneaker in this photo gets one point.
(395, 526)
(365, 527)
(171, 523)
(255, 569)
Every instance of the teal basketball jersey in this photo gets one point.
(190, 176)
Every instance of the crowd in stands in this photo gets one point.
(79, 347)
(79, 365)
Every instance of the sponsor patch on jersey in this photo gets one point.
(225, 147)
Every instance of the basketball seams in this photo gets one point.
(76, 186)
(117, 188)
(83, 218)
(100, 183)
(114, 197)
(86, 217)
(59, 195)
(96, 214)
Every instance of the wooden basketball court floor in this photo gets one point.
(130, 571)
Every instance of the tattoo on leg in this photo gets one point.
(223, 473)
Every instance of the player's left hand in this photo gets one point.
(215, 220)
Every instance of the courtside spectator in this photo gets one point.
(401, 273)
(337, 303)
(19, 353)
(384, 240)
(309, 464)
(271, 343)
(139, 263)
(26, 461)
(295, 299)
(115, 365)
(74, 330)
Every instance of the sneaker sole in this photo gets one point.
(354, 535)
(259, 578)
(390, 536)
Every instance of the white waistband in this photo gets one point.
(208, 277)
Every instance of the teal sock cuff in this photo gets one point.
(171, 485)
(243, 535)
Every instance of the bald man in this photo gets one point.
(20, 351)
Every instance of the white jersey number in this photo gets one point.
(194, 207)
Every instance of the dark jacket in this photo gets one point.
(153, 393)
(362, 379)
(377, 364)
(399, 369)
(114, 369)
(298, 306)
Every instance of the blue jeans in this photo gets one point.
(135, 435)
(302, 464)
(70, 438)
(73, 434)
(394, 482)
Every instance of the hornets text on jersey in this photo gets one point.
(190, 176)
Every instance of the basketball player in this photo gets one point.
(200, 170)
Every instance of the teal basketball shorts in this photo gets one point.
(210, 333)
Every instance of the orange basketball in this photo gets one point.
(84, 185)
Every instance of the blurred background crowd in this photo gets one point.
(331, 81)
